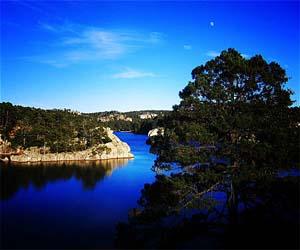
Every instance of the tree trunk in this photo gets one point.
(232, 205)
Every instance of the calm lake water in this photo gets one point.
(73, 205)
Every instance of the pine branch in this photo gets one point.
(199, 195)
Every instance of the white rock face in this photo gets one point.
(156, 131)
(116, 149)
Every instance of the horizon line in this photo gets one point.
(91, 112)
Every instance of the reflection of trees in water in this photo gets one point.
(15, 177)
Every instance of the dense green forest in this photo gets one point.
(60, 130)
(233, 133)
(65, 130)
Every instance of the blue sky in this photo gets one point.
(95, 55)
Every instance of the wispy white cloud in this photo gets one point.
(63, 29)
(245, 55)
(47, 27)
(212, 53)
(77, 43)
(30, 5)
(131, 73)
(187, 47)
(96, 43)
(54, 63)
(38, 7)
(155, 37)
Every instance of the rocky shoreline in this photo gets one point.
(116, 149)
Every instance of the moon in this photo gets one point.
(212, 24)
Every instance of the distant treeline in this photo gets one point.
(59, 130)
(132, 114)
(137, 125)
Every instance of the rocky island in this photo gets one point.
(115, 149)
(37, 135)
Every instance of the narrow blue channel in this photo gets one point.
(73, 206)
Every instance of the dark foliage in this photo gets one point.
(233, 130)
(61, 130)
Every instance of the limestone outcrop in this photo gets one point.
(116, 149)
(156, 131)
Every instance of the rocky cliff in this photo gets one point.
(116, 149)
(156, 131)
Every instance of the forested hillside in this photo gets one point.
(60, 130)
(66, 130)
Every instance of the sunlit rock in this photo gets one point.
(116, 149)
(156, 131)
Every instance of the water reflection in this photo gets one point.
(15, 177)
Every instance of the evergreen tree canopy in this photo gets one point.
(239, 109)
(232, 131)
(60, 130)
